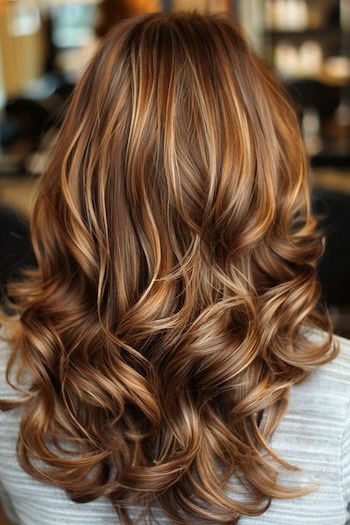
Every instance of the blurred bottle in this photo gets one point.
(310, 58)
(311, 127)
(286, 59)
(286, 15)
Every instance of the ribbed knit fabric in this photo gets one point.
(314, 434)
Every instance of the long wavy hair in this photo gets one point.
(176, 287)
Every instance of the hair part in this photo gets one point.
(176, 283)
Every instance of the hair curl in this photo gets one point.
(176, 278)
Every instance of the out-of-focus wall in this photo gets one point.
(200, 5)
(21, 46)
(147, 5)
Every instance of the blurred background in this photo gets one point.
(44, 45)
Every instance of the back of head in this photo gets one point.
(176, 278)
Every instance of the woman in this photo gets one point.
(172, 328)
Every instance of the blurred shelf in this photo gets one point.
(331, 178)
(19, 193)
(323, 77)
(334, 154)
(325, 32)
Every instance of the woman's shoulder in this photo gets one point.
(322, 399)
(332, 377)
(339, 368)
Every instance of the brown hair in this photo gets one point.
(176, 283)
